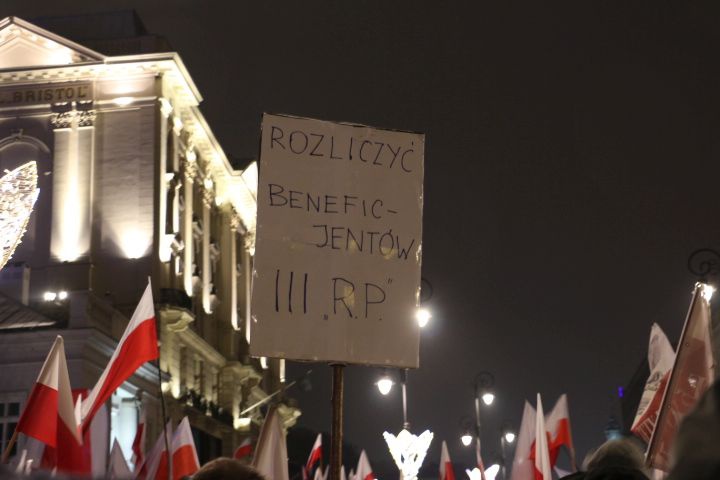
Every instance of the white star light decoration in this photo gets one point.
(18, 192)
(408, 451)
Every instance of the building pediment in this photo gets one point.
(23, 44)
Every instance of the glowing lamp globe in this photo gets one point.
(384, 385)
(466, 439)
(488, 398)
(18, 192)
(509, 437)
(423, 316)
(707, 292)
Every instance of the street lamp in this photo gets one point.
(507, 437)
(466, 426)
(385, 384)
(423, 316)
(484, 382)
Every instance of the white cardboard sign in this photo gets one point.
(338, 251)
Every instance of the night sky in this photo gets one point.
(571, 166)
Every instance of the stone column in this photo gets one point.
(207, 202)
(164, 240)
(189, 170)
(74, 133)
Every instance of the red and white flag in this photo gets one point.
(118, 468)
(661, 357)
(49, 412)
(558, 424)
(446, 467)
(364, 470)
(138, 445)
(244, 450)
(184, 455)
(315, 456)
(88, 458)
(543, 469)
(271, 458)
(692, 374)
(158, 453)
(523, 467)
(137, 346)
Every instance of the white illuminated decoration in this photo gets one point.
(18, 192)
(490, 473)
(408, 451)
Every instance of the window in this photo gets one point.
(9, 414)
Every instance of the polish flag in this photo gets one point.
(271, 458)
(342, 473)
(364, 470)
(558, 425)
(523, 467)
(244, 450)
(49, 412)
(692, 374)
(184, 455)
(542, 452)
(88, 458)
(661, 357)
(148, 469)
(118, 469)
(137, 346)
(478, 459)
(446, 468)
(138, 445)
(315, 456)
(351, 474)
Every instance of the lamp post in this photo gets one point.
(484, 382)
(507, 438)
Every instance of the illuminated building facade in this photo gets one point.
(133, 184)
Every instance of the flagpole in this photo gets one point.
(9, 447)
(650, 453)
(336, 437)
(162, 407)
(164, 422)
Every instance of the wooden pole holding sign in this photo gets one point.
(336, 435)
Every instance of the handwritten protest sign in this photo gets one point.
(338, 252)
